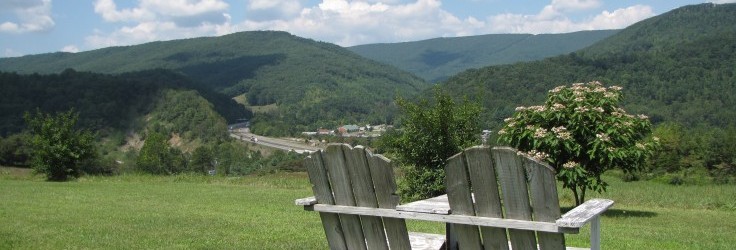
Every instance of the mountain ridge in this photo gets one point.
(270, 67)
(688, 81)
(438, 58)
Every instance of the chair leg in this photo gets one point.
(595, 233)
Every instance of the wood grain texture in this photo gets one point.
(334, 160)
(434, 205)
(365, 195)
(385, 187)
(487, 200)
(446, 218)
(512, 178)
(323, 193)
(461, 201)
(544, 201)
(578, 216)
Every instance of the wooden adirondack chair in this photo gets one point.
(500, 183)
(491, 193)
(351, 178)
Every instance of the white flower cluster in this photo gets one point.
(557, 89)
(534, 154)
(538, 108)
(540, 133)
(581, 109)
(570, 165)
(558, 107)
(602, 137)
(562, 133)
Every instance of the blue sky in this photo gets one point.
(42, 26)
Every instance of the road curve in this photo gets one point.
(281, 144)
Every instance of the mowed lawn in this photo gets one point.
(257, 212)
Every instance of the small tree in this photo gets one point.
(157, 157)
(430, 134)
(582, 132)
(202, 160)
(58, 149)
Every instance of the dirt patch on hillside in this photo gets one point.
(132, 141)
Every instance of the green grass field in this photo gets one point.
(257, 212)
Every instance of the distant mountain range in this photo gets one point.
(676, 67)
(310, 83)
(437, 59)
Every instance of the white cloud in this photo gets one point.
(70, 49)
(346, 22)
(356, 22)
(555, 22)
(153, 20)
(619, 18)
(31, 15)
(368, 21)
(723, 1)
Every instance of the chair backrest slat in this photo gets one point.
(385, 187)
(515, 195)
(461, 202)
(365, 195)
(488, 202)
(545, 204)
(334, 160)
(323, 192)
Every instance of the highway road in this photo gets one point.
(287, 145)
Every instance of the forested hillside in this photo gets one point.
(117, 103)
(438, 59)
(679, 68)
(312, 83)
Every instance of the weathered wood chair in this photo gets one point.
(351, 178)
(491, 193)
(500, 183)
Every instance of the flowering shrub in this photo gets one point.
(582, 132)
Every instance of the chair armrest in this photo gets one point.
(579, 216)
(306, 201)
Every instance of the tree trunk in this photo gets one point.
(575, 194)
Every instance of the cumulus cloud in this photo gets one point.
(545, 22)
(153, 20)
(355, 22)
(723, 1)
(346, 22)
(368, 21)
(29, 16)
(70, 49)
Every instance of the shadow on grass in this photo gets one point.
(620, 213)
(623, 213)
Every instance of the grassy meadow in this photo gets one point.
(257, 212)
